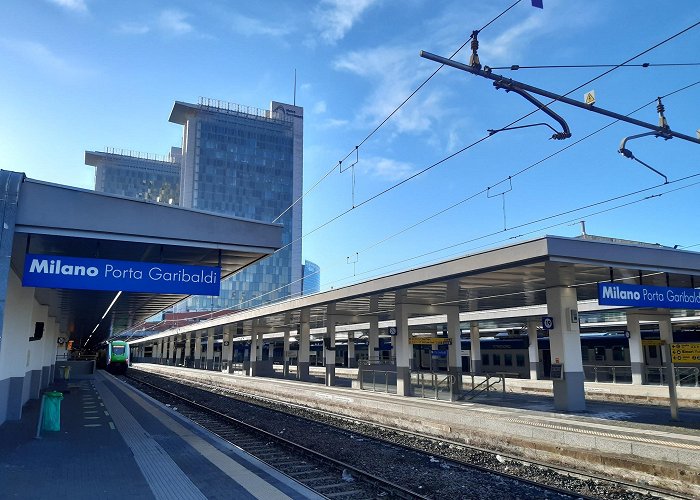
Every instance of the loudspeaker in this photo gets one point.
(38, 331)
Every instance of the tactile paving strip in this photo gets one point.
(166, 479)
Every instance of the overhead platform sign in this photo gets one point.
(50, 271)
(618, 294)
(429, 340)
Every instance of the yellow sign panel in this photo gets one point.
(653, 342)
(589, 97)
(429, 340)
(685, 353)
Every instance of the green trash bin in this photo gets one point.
(51, 418)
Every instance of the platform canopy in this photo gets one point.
(56, 220)
(505, 286)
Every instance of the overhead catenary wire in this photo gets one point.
(478, 141)
(452, 155)
(516, 67)
(529, 223)
(538, 230)
(383, 122)
(519, 172)
(502, 231)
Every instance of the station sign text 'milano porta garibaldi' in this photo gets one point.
(619, 294)
(50, 271)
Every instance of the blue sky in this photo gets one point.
(85, 74)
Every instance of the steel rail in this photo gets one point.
(557, 468)
(296, 447)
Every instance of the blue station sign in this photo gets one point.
(618, 294)
(50, 271)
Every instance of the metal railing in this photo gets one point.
(434, 384)
(610, 373)
(140, 155)
(685, 375)
(229, 367)
(386, 375)
(232, 107)
(485, 386)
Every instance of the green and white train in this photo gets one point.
(117, 356)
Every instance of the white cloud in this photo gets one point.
(249, 26)
(133, 29)
(74, 5)
(334, 18)
(394, 73)
(42, 57)
(334, 123)
(557, 17)
(173, 22)
(385, 168)
(506, 45)
(319, 108)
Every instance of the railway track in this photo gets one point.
(323, 474)
(500, 479)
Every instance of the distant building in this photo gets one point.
(312, 278)
(246, 162)
(235, 160)
(137, 175)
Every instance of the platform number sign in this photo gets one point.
(547, 322)
(393, 331)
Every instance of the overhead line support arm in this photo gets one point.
(504, 82)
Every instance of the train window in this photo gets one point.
(486, 359)
(520, 359)
(584, 354)
(618, 353)
(653, 352)
(496, 360)
(599, 353)
(508, 359)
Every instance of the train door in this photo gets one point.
(466, 360)
(546, 357)
(181, 350)
(217, 355)
(202, 362)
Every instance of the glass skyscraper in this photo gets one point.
(246, 162)
(137, 175)
(312, 278)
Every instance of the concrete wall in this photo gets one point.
(25, 367)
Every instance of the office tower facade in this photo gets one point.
(137, 175)
(246, 162)
(311, 278)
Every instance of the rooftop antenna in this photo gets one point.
(583, 228)
(295, 87)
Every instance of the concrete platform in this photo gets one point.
(115, 443)
(638, 442)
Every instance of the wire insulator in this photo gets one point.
(474, 59)
(663, 123)
(660, 107)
